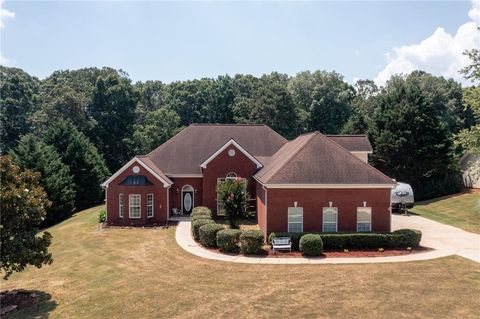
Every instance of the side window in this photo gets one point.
(149, 205)
(295, 219)
(330, 218)
(121, 205)
(364, 219)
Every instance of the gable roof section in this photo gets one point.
(238, 146)
(353, 143)
(184, 152)
(146, 164)
(314, 159)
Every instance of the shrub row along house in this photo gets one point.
(312, 183)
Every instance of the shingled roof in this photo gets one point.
(316, 159)
(353, 143)
(184, 152)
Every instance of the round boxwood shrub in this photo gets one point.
(196, 226)
(311, 245)
(251, 241)
(208, 234)
(408, 237)
(228, 239)
(201, 211)
(197, 217)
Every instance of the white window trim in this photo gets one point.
(166, 182)
(370, 220)
(336, 218)
(151, 205)
(121, 205)
(130, 196)
(288, 219)
(239, 147)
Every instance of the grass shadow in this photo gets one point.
(40, 309)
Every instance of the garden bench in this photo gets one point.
(282, 243)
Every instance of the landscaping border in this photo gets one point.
(184, 239)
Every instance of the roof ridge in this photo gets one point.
(300, 147)
(346, 135)
(356, 158)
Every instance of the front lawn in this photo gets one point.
(459, 210)
(143, 273)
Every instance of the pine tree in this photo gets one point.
(83, 159)
(34, 154)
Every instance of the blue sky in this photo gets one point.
(178, 41)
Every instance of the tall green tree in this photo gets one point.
(113, 114)
(324, 97)
(23, 207)
(17, 99)
(81, 156)
(159, 126)
(411, 141)
(271, 104)
(56, 179)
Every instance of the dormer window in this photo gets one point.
(231, 175)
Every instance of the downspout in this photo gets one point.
(106, 202)
(168, 203)
(266, 210)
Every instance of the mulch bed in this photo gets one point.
(163, 225)
(11, 300)
(350, 253)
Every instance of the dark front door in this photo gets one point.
(187, 202)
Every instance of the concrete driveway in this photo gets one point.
(441, 236)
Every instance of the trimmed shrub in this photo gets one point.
(197, 217)
(228, 239)
(102, 216)
(196, 226)
(409, 237)
(201, 210)
(251, 241)
(208, 234)
(311, 245)
(337, 241)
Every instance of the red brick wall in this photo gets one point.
(178, 183)
(313, 201)
(159, 199)
(219, 167)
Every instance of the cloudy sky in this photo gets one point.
(176, 41)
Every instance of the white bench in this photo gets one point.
(282, 243)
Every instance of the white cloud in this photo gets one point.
(4, 14)
(440, 54)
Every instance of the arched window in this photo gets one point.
(187, 188)
(231, 175)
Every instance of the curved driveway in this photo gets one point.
(446, 240)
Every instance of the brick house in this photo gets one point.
(315, 182)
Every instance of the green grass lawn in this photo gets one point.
(143, 273)
(459, 210)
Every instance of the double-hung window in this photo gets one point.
(121, 205)
(364, 219)
(134, 209)
(330, 218)
(295, 219)
(149, 205)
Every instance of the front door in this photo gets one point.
(187, 202)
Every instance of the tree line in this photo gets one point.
(76, 127)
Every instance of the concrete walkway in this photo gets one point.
(446, 240)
